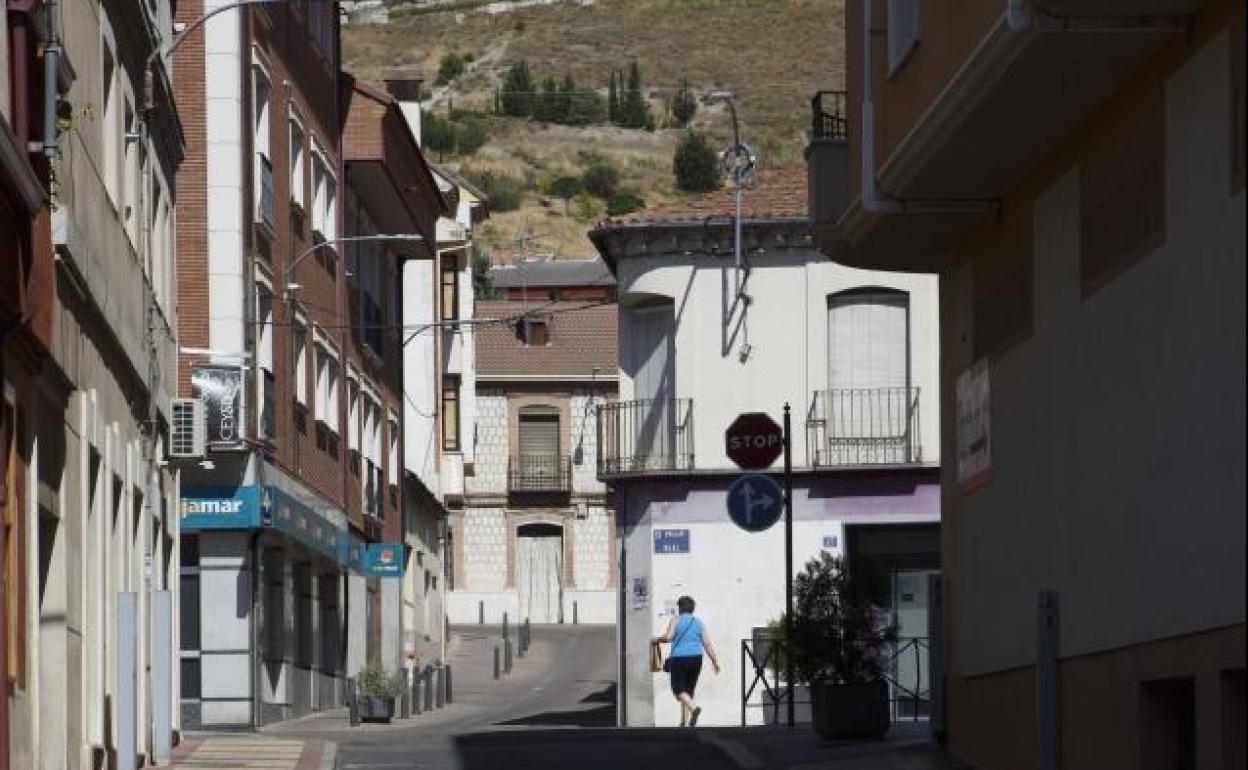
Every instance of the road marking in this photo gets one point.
(737, 752)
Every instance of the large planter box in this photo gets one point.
(850, 711)
(376, 708)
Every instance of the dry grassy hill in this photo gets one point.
(773, 54)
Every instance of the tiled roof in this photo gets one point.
(778, 194)
(582, 336)
(555, 272)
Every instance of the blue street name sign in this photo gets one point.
(755, 502)
(671, 541)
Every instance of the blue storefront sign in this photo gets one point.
(671, 541)
(220, 508)
(383, 560)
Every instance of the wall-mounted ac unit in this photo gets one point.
(189, 428)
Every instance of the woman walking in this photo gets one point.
(689, 640)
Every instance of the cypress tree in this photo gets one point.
(613, 100)
(634, 109)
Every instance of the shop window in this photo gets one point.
(450, 414)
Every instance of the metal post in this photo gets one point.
(429, 689)
(481, 613)
(504, 626)
(496, 661)
(575, 614)
(1047, 696)
(162, 677)
(440, 692)
(415, 694)
(127, 662)
(507, 656)
(353, 703)
(446, 674)
(788, 560)
(405, 704)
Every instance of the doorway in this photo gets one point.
(539, 572)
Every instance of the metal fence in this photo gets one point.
(828, 116)
(644, 436)
(906, 665)
(864, 426)
(539, 473)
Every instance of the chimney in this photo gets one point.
(404, 86)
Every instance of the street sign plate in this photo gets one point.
(671, 541)
(754, 441)
(755, 502)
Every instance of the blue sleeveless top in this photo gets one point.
(687, 637)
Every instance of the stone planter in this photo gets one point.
(850, 711)
(376, 708)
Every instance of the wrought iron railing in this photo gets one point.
(909, 691)
(828, 116)
(864, 426)
(645, 436)
(539, 473)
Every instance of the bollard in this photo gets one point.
(504, 626)
(405, 705)
(496, 661)
(447, 669)
(415, 694)
(575, 614)
(507, 656)
(441, 688)
(353, 705)
(528, 633)
(481, 613)
(520, 642)
(429, 689)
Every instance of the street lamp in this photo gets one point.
(738, 161)
(289, 271)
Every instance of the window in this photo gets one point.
(131, 175)
(13, 554)
(298, 165)
(321, 23)
(538, 444)
(110, 125)
(904, 22)
(262, 171)
(450, 414)
(353, 421)
(534, 331)
(450, 291)
(868, 339)
(264, 359)
(392, 455)
(300, 340)
(326, 386)
(324, 197)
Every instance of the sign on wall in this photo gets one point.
(641, 593)
(974, 407)
(383, 560)
(671, 541)
(220, 388)
(220, 508)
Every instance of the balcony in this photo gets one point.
(827, 158)
(649, 436)
(864, 426)
(539, 474)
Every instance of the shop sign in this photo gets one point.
(220, 508)
(974, 407)
(383, 560)
(220, 388)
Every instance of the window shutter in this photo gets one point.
(539, 432)
(903, 31)
(867, 340)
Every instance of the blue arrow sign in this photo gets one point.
(755, 502)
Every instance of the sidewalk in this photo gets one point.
(252, 752)
(906, 747)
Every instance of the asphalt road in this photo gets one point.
(555, 711)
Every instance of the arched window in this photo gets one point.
(868, 339)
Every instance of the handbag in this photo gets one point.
(667, 664)
(656, 657)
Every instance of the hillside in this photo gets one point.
(773, 54)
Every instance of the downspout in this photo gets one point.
(51, 66)
(869, 200)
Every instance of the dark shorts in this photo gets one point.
(685, 672)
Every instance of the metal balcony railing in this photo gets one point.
(828, 113)
(264, 207)
(864, 426)
(551, 474)
(645, 436)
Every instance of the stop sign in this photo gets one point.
(754, 440)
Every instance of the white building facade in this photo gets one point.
(853, 352)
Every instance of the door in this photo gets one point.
(654, 387)
(912, 665)
(539, 573)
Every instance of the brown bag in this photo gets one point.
(656, 656)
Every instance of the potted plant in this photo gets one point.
(375, 692)
(840, 646)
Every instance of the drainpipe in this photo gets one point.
(51, 65)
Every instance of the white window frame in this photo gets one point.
(110, 119)
(264, 348)
(299, 341)
(328, 369)
(298, 158)
(905, 25)
(262, 130)
(353, 410)
(132, 166)
(392, 456)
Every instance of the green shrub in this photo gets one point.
(623, 203)
(601, 180)
(373, 681)
(451, 67)
(565, 187)
(587, 208)
(695, 164)
(684, 105)
(504, 192)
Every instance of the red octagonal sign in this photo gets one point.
(754, 440)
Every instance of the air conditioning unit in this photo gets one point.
(189, 428)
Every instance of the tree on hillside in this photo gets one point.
(566, 187)
(582, 106)
(684, 104)
(517, 91)
(634, 110)
(451, 67)
(601, 180)
(482, 283)
(546, 103)
(613, 99)
(695, 164)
